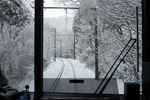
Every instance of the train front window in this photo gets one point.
(88, 41)
(88, 46)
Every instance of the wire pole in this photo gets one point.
(137, 39)
(55, 44)
(74, 45)
(66, 30)
(60, 48)
(96, 49)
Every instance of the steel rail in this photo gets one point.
(58, 77)
(72, 68)
(73, 74)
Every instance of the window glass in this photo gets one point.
(17, 42)
(95, 35)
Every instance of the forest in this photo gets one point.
(115, 22)
(17, 42)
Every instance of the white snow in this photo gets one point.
(120, 84)
(53, 69)
(80, 71)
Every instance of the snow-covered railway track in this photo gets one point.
(58, 77)
(63, 71)
(73, 74)
(72, 68)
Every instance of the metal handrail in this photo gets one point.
(101, 91)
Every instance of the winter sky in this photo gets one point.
(52, 13)
(60, 15)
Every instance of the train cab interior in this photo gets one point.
(131, 90)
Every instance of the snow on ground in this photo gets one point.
(68, 72)
(120, 86)
(80, 71)
(53, 69)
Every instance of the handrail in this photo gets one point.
(113, 66)
(103, 88)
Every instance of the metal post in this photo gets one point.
(55, 44)
(96, 55)
(38, 53)
(145, 49)
(96, 49)
(66, 21)
(137, 42)
(66, 30)
(60, 48)
(74, 45)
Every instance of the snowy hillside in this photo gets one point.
(60, 24)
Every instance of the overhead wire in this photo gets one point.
(46, 21)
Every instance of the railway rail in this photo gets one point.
(58, 77)
(55, 83)
(72, 68)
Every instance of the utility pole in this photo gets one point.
(137, 40)
(96, 48)
(55, 44)
(96, 54)
(60, 48)
(66, 51)
(74, 45)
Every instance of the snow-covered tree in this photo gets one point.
(116, 21)
(16, 41)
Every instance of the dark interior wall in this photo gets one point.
(146, 49)
(38, 50)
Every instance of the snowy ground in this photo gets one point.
(72, 69)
